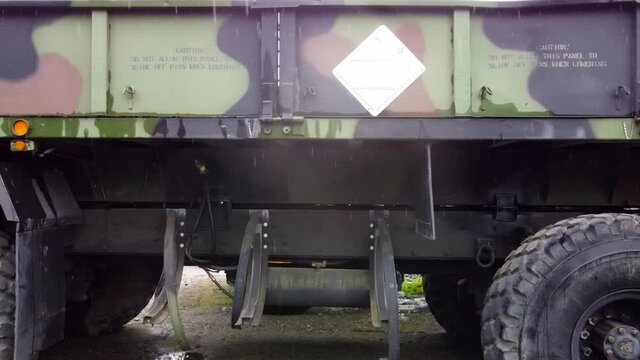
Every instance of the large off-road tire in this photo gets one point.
(454, 306)
(545, 300)
(105, 293)
(7, 296)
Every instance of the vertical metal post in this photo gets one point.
(288, 66)
(425, 221)
(636, 106)
(99, 61)
(385, 288)
(252, 273)
(173, 265)
(269, 62)
(462, 62)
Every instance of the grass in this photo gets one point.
(412, 286)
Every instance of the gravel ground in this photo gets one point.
(317, 334)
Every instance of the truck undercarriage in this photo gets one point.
(316, 151)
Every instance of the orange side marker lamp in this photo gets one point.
(20, 128)
(22, 145)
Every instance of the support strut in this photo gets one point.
(384, 292)
(252, 273)
(165, 298)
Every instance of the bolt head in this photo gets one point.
(635, 332)
(266, 224)
(371, 225)
(371, 237)
(371, 247)
(587, 351)
(584, 335)
(611, 339)
(265, 235)
(264, 246)
(621, 331)
(181, 234)
(181, 223)
(181, 246)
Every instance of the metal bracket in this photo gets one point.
(172, 271)
(252, 273)
(425, 222)
(384, 292)
(506, 207)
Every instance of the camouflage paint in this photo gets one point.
(436, 129)
(46, 62)
(295, 3)
(184, 64)
(552, 62)
(39, 73)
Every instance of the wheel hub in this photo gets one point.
(616, 340)
(609, 329)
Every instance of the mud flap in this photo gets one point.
(40, 291)
(164, 302)
(41, 205)
(383, 291)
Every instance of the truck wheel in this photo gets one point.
(107, 293)
(571, 291)
(453, 306)
(7, 296)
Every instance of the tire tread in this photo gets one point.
(530, 264)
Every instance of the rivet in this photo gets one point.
(181, 234)
(371, 237)
(265, 235)
(181, 223)
(371, 247)
(181, 246)
(265, 224)
(264, 246)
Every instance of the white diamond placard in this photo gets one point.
(379, 70)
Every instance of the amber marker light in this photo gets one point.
(19, 145)
(20, 127)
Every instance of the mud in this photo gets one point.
(317, 334)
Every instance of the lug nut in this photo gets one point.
(609, 353)
(587, 351)
(635, 332)
(621, 331)
(592, 322)
(611, 339)
(584, 335)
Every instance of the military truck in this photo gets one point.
(314, 149)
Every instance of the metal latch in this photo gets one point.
(506, 207)
(621, 91)
(485, 92)
(129, 91)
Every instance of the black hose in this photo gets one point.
(206, 200)
(217, 283)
